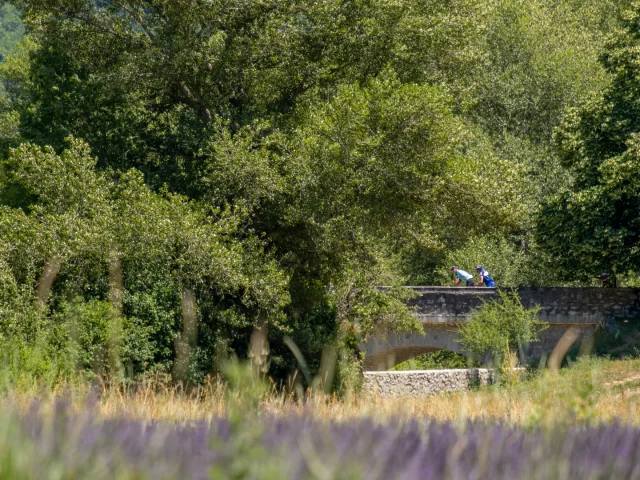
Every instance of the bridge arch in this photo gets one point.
(385, 352)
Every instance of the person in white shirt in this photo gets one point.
(462, 276)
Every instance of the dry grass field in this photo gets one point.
(591, 391)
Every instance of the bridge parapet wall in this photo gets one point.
(558, 304)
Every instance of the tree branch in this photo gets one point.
(197, 102)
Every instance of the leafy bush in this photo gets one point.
(501, 324)
(592, 225)
(512, 262)
(506, 262)
(106, 230)
(87, 328)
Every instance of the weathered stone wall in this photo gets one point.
(420, 383)
(559, 304)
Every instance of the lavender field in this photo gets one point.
(66, 444)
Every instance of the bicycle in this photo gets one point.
(631, 306)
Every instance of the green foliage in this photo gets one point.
(292, 117)
(349, 378)
(437, 360)
(278, 160)
(374, 310)
(151, 69)
(535, 59)
(594, 223)
(511, 262)
(498, 324)
(14, 72)
(87, 331)
(540, 57)
(11, 29)
(98, 342)
(162, 241)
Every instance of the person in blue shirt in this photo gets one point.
(485, 278)
(462, 276)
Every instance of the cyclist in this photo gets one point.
(608, 279)
(462, 276)
(485, 278)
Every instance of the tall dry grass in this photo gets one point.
(592, 391)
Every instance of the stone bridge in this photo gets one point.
(442, 309)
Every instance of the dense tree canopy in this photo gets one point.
(595, 223)
(276, 160)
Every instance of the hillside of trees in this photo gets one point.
(266, 164)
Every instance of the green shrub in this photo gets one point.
(499, 324)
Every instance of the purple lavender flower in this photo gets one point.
(84, 446)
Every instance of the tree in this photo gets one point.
(162, 242)
(141, 82)
(541, 57)
(533, 60)
(594, 226)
